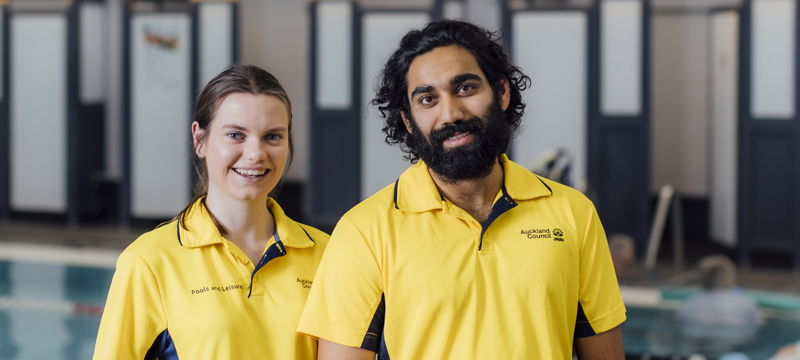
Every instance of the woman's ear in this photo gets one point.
(197, 139)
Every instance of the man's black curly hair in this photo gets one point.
(392, 95)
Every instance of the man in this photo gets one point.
(468, 255)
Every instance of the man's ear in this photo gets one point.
(504, 93)
(406, 121)
(197, 139)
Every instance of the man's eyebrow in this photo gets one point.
(458, 79)
(421, 89)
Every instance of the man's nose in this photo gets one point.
(451, 109)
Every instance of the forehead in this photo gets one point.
(251, 109)
(437, 67)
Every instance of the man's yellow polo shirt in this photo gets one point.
(192, 294)
(411, 276)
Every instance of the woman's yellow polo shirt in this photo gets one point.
(192, 294)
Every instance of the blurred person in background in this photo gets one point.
(227, 278)
(722, 317)
(623, 253)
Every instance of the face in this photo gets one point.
(456, 121)
(245, 147)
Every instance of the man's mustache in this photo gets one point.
(472, 125)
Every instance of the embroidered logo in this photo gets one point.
(221, 288)
(305, 283)
(536, 233)
(558, 235)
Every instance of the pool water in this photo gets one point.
(50, 311)
(655, 332)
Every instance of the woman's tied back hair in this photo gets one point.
(392, 94)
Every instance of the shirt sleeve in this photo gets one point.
(133, 316)
(601, 307)
(345, 300)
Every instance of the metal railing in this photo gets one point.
(668, 201)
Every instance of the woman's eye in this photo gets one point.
(274, 137)
(236, 136)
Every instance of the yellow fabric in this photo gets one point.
(515, 298)
(195, 286)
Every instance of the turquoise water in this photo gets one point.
(50, 311)
(655, 332)
(53, 312)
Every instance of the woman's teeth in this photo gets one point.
(246, 172)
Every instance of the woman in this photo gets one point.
(228, 277)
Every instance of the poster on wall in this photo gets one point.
(160, 114)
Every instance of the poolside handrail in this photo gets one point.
(668, 200)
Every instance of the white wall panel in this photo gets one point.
(724, 101)
(216, 39)
(453, 10)
(38, 113)
(160, 114)
(773, 59)
(550, 47)
(381, 164)
(679, 124)
(93, 52)
(621, 57)
(334, 55)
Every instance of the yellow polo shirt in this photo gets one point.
(409, 275)
(192, 294)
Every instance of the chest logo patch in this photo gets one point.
(305, 283)
(558, 235)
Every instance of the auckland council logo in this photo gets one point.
(558, 235)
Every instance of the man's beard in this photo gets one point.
(473, 160)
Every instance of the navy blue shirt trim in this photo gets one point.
(275, 251)
(163, 348)
(582, 326)
(372, 340)
(502, 205)
(396, 183)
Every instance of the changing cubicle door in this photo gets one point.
(769, 129)
(5, 136)
(333, 182)
(38, 111)
(160, 89)
(551, 48)
(723, 125)
(619, 115)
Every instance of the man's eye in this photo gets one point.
(426, 100)
(234, 135)
(466, 88)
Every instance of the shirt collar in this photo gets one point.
(415, 190)
(203, 232)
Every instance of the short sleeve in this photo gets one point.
(601, 307)
(133, 317)
(345, 298)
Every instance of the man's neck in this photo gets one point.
(476, 196)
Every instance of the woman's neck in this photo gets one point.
(247, 223)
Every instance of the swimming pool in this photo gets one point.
(52, 311)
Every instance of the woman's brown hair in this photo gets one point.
(236, 78)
